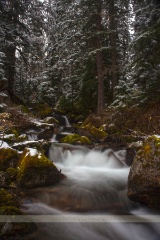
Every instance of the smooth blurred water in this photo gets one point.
(96, 183)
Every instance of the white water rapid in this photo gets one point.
(95, 188)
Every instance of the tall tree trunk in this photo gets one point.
(114, 55)
(99, 59)
(10, 69)
(10, 50)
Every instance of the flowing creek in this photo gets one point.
(95, 186)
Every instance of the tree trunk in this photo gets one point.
(10, 69)
(114, 56)
(10, 50)
(99, 59)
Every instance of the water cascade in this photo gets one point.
(63, 130)
(95, 186)
(67, 123)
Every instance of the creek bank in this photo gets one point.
(9, 205)
(18, 170)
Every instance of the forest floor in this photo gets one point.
(141, 120)
(133, 121)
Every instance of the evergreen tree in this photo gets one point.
(146, 58)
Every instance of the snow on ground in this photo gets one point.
(3, 144)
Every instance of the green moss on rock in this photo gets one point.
(7, 199)
(22, 137)
(12, 172)
(36, 170)
(43, 110)
(99, 134)
(8, 158)
(12, 229)
(75, 138)
(51, 120)
(144, 176)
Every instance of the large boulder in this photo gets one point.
(36, 170)
(144, 176)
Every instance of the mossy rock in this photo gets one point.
(25, 109)
(22, 137)
(14, 230)
(75, 138)
(5, 179)
(40, 145)
(51, 120)
(144, 176)
(13, 131)
(8, 199)
(35, 170)
(43, 110)
(12, 172)
(8, 158)
(98, 134)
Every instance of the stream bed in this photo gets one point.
(91, 202)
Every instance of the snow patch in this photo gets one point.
(4, 144)
(32, 151)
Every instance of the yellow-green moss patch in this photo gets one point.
(34, 169)
(75, 138)
(144, 176)
(7, 199)
(99, 134)
(51, 120)
(43, 110)
(8, 158)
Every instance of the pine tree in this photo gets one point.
(146, 59)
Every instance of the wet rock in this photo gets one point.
(61, 119)
(130, 155)
(51, 120)
(39, 145)
(36, 170)
(46, 134)
(144, 176)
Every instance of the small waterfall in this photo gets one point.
(53, 139)
(67, 124)
(32, 137)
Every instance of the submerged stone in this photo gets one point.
(36, 170)
(144, 176)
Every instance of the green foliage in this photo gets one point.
(43, 110)
(65, 104)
